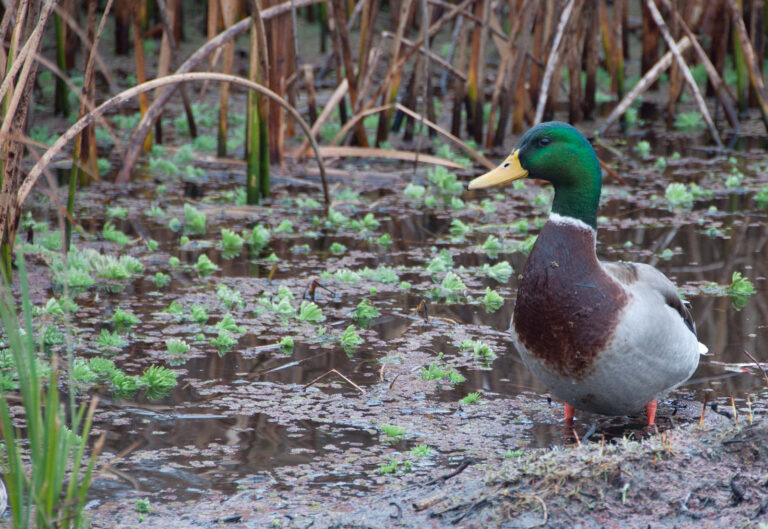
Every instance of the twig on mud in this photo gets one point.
(479, 503)
(461, 468)
(358, 388)
(578, 441)
(765, 375)
(749, 407)
(703, 409)
(399, 513)
(428, 502)
(272, 272)
(611, 172)
(392, 384)
(735, 414)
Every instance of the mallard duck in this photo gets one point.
(603, 337)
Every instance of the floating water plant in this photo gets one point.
(452, 288)
(761, 198)
(118, 212)
(177, 346)
(228, 296)
(112, 234)
(500, 272)
(414, 191)
(199, 314)
(492, 246)
(175, 307)
(309, 311)
(194, 220)
(678, 196)
(441, 263)
(458, 229)
(337, 248)
(471, 398)
(740, 290)
(224, 341)
(159, 381)
(285, 226)
(231, 242)
(492, 300)
(394, 433)
(364, 313)
(422, 451)
(350, 338)
(259, 237)
(643, 148)
(526, 245)
(205, 266)
(161, 280)
(111, 340)
(286, 344)
(123, 320)
(228, 323)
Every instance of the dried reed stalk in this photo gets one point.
(749, 58)
(685, 71)
(552, 60)
(69, 134)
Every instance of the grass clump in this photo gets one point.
(205, 266)
(231, 242)
(499, 272)
(492, 301)
(309, 311)
(365, 313)
(194, 220)
(177, 346)
(112, 234)
(471, 398)
(393, 433)
(159, 381)
(123, 320)
(350, 338)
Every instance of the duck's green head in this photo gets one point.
(560, 154)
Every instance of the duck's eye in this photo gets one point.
(544, 141)
(506, 164)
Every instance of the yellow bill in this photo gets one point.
(509, 171)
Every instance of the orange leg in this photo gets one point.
(569, 412)
(650, 411)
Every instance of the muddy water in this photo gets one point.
(255, 417)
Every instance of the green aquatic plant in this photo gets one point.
(414, 191)
(117, 212)
(161, 280)
(441, 263)
(492, 246)
(452, 287)
(224, 341)
(174, 262)
(337, 248)
(123, 320)
(384, 240)
(199, 314)
(689, 121)
(393, 432)
(174, 307)
(643, 148)
(228, 323)
(471, 398)
(286, 344)
(112, 234)
(309, 311)
(285, 226)
(678, 195)
(259, 237)
(526, 245)
(158, 381)
(492, 300)
(500, 272)
(194, 220)
(177, 346)
(761, 198)
(459, 230)
(381, 274)
(229, 296)
(231, 242)
(364, 313)
(205, 266)
(110, 340)
(422, 451)
(740, 290)
(350, 338)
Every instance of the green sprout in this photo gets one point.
(110, 340)
(228, 323)
(394, 433)
(177, 346)
(205, 266)
(492, 300)
(525, 246)
(224, 341)
(441, 263)
(350, 338)
(286, 344)
(500, 272)
(740, 290)
(364, 313)
(286, 226)
(459, 230)
(159, 381)
(689, 121)
(452, 287)
(194, 220)
(123, 320)
(112, 234)
(385, 240)
(199, 314)
(118, 212)
(471, 398)
(230, 297)
(678, 195)
(337, 248)
(174, 262)
(492, 246)
(231, 242)
(161, 280)
(175, 307)
(414, 191)
(422, 451)
(259, 237)
(643, 148)
(309, 311)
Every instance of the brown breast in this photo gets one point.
(567, 307)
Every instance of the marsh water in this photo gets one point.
(257, 418)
